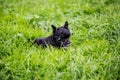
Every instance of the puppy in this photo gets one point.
(59, 38)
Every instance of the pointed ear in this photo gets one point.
(66, 25)
(54, 28)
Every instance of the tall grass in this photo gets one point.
(94, 53)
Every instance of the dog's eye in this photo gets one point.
(58, 28)
(67, 36)
(64, 37)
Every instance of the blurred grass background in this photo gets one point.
(94, 53)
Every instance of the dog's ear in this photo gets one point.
(54, 28)
(66, 25)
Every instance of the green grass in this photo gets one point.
(94, 53)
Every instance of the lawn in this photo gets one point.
(94, 53)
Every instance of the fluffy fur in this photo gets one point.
(59, 38)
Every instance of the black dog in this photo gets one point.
(59, 38)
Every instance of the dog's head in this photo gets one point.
(61, 35)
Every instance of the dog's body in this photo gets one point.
(59, 38)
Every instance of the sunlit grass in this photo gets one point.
(94, 53)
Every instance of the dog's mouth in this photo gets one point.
(65, 47)
(65, 44)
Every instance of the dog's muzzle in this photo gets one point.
(65, 43)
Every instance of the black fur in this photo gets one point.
(59, 38)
